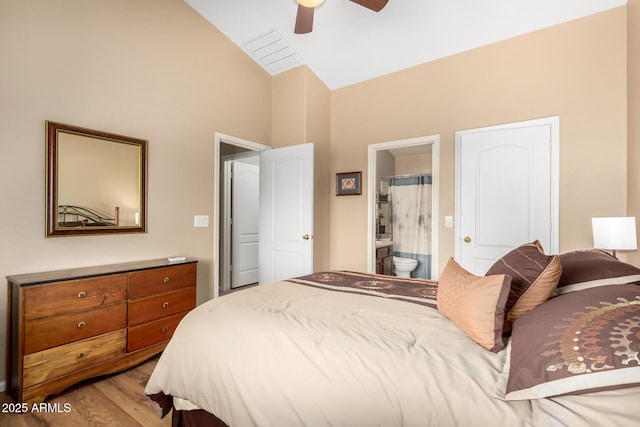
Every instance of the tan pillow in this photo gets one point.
(534, 277)
(474, 303)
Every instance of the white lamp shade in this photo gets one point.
(615, 233)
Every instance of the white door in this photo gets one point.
(245, 225)
(286, 212)
(506, 191)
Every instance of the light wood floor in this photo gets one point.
(116, 400)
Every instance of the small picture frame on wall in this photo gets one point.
(349, 184)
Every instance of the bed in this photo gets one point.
(541, 340)
(78, 216)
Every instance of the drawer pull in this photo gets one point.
(81, 355)
(82, 325)
(165, 305)
(82, 294)
(165, 280)
(164, 329)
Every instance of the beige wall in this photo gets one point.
(151, 69)
(318, 130)
(575, 70)
(289, 108)
(301, 106)
(413, 163)
(633, 120)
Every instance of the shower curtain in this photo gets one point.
(411, 220)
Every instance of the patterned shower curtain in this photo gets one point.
(411, 220)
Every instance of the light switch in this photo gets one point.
(448, 221)
(201, 220)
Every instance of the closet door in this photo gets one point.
(246, 222)
(506, 191)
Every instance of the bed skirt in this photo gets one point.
(192, 418)
(195, 418)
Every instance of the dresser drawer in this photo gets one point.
(152, 308)
(49, 332)
(82, 294)
(155, 332)
(58, 361)
(160, 280)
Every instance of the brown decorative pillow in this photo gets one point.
(575, 343)
(592, 268)
(474, 303)
(534, 277)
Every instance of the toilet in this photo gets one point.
(404, 266)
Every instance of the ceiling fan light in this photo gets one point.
(310, 3)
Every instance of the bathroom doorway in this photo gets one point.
(404, 158)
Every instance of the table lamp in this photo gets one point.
(614, 233)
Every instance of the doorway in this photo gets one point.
(415, 148)
(285, 214)
(226, 147)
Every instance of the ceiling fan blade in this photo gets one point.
(375, 5)
(304, 20)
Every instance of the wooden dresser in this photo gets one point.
(69, 325)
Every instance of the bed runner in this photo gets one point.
(418, 291)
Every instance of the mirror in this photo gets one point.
(96, 182)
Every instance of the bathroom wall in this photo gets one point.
(414, 163)
(385, 165)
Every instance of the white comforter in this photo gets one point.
(286, 354)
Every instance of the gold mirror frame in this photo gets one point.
(105, 192)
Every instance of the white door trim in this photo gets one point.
(223, 259)
(239, 142)
(434, 141)
(554, 122)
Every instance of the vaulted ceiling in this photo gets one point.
(350, 43)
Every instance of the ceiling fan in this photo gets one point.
(304, 18)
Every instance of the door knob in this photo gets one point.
(467, 239)
(306, 237)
